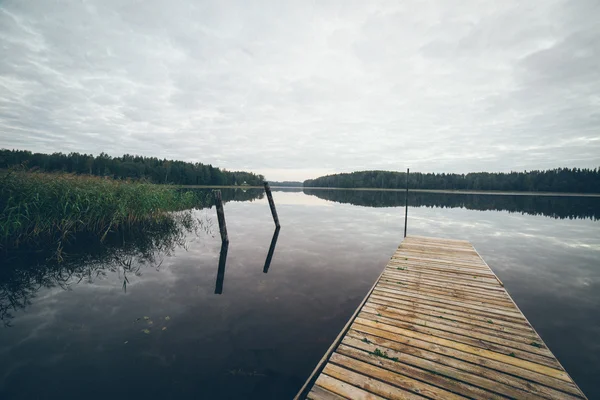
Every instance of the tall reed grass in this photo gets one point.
(43, 206)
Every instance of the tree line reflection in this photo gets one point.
(125, 252)
(560, 207)
(84, 258)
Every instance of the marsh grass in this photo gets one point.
(38, 207)
(126, 253)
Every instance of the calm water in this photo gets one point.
(149, 317)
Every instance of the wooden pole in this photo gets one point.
(406, 203)
(271, 204)
(271, 250)
(221, 270)
(221, 216)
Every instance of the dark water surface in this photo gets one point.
(95, 327)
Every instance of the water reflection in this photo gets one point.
(550, 206)
(271, 250)
(237, 344)
(221, 269)
(125, 252)
(84, 258)
(223, 260)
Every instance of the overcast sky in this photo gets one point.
(295, 90)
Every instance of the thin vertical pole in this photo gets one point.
(271, 204)
(221, 216)
(406, 203)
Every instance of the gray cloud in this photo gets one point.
(295, 90)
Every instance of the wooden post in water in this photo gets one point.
(406, 203)
(271, 204)
(221, 216)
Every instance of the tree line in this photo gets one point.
(575, 180)
(129, 166)
(286, 183)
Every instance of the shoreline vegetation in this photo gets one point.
(39, 208)
(128, 252)
(559, 180)
(48, 199)
(577, 181)
(128, 167)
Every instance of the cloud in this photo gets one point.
(295, 88)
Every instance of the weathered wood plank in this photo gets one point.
(454, 311)
(368, 384)
(434, 326)
(446, 273)
(439, 324)
(443, 353)
(447, 293)
(399, 363)
(457, 242)
(402, 381)
(319, 393)
(504, 355)
(443, 259)
(451, 304)
(469, 284)
(344, 389)
(410, 279)
(447, 323)
(446, 267)
(468, 372)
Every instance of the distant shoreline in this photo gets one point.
(481, 192)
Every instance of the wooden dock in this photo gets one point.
(438, 324)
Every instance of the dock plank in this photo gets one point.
(439, 324)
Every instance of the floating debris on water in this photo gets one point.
(146, 331)
(241, 372)
(167, 318)
(164, 328)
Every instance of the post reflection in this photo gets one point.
(271, 250)
(221, 270)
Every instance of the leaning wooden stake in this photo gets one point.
(221, 216)
(272, 204)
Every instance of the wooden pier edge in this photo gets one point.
(541, 377)
(530, 324)
(321, 364)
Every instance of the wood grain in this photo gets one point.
(439, 324)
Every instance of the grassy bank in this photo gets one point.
(42, 206)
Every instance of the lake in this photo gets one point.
(169, 313)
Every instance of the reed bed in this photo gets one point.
(47, 206)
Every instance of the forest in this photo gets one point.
(128, 166)
(574, 180)
(286, 183)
